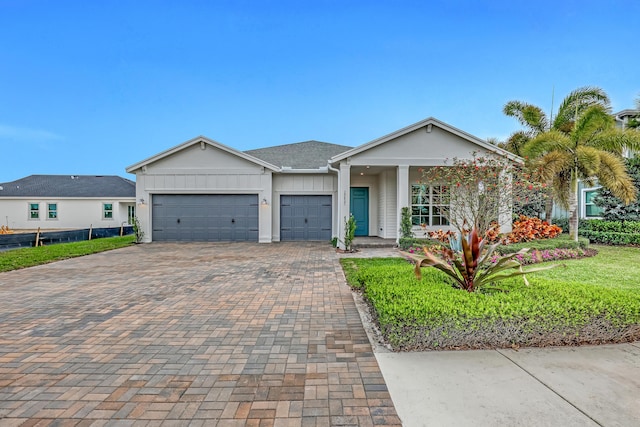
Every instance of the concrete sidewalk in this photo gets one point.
(572, 386)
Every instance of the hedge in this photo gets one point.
(605, 232)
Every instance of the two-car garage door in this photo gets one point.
(234, 217)
(205, 217)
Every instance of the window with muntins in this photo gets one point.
(107, 210)
(590, 208)
(52, 211)
(34, 210)
(131, 214)
(429, 204)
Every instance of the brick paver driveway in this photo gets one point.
(192, 334)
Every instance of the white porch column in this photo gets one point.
(402, 195)
(344, 200)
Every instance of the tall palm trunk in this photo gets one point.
(573, 207)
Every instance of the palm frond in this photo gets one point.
(591, 122)
(561, 187)
(576, 103)
(588, 161)
(530, 116)
(546, 142)
(617, 140)
(613, 175)
(552, 164)
(515, 142)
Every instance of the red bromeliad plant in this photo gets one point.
(475, 265)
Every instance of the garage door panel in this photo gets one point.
(205, 217)
(305, 217)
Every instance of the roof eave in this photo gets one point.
(428, 121)
(133, 168)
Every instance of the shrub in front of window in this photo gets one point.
(475, 192)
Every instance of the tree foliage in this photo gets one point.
(591, 150)
(536, 122)
(482, 190)
(613, 207)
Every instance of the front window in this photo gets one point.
(429, 204)
(590, 208)
(52, 210)
(131, 214)
(107, 210)
(34, 210)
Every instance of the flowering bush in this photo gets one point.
(537, 256)
(481, 189)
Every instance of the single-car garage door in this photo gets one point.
(205, 217)
(305, 218)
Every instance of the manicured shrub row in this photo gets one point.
(611, 238)
(599, 225)
(430, 314)
(606, 232)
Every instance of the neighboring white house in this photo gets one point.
(67, 202)
(202, 190)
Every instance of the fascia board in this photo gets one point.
(186, 144)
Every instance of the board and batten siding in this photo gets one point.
(208, 170)
(302, 184)
(387, 202)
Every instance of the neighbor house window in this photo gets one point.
(429, 204)
(107, 210)
(34, 210)
(52, 210)
(590, 208)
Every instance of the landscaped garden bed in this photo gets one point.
(590, 301)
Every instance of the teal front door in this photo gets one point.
(360, 209)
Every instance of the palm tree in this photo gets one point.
(592, 149)
(535, 122)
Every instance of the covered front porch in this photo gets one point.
(376, 194)
(377, 179)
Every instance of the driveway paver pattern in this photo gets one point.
(188, 334)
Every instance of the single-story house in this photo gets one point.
(202, 190)
(67, 202)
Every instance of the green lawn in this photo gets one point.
(29, 257)
(614, 267)
(592, 300)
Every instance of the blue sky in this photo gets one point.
(91, 87)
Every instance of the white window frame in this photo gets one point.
(30, 211)
(430, 205)
(49, 211)
(131, 214)
(583, 203)
(105, 210)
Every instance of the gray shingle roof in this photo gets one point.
(301, 155)
(69, 186)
